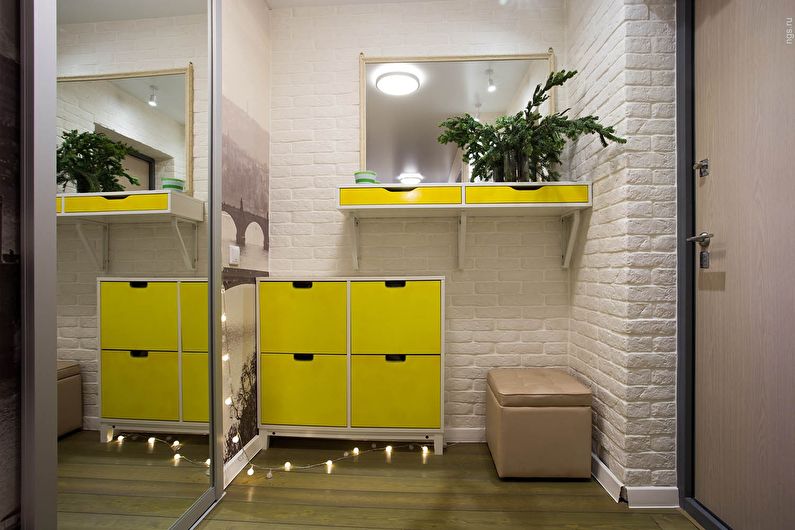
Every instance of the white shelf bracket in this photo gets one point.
(101, 260)
(355, 241)
(572, 236)
(462, 239)
(189, 258)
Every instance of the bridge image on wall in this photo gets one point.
(243, 219)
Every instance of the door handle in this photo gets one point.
(702, 239)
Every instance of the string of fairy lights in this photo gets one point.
(234, 414)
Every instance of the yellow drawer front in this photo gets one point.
(195, 387)
(194, 315)
(58, 205)
(138, 315)
(303, 389)
(303, 317)
(140, 385)
(117, 203)
(575, 193)
(395, 391)
(397, 195)
(396, 317)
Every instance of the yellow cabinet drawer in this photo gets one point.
(194, 315)
(116, 203)
(396, 316)
(366, 196)
(58, 205)
(523, 194)
(396, 391)
(195, 387)
(303, 389)
(303, 317)
(140, 385)
(138, 315)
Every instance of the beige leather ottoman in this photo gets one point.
(70, 397)
(538, 423)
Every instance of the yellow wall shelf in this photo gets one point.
(558, 199)
(144, 206)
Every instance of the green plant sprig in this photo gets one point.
(92, 161)
(539, 140)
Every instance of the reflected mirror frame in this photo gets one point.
(549, 56)
(189, 132)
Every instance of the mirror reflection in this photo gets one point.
(132, 292)
(406, 101)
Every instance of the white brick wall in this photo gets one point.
(623, 305)
(509, 306)
(135, 250)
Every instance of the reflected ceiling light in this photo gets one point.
(411, 179)
(397, 83)
(492, 87)
(477, 110)
(153, 97)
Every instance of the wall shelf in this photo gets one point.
(463, 201)
(128, 207)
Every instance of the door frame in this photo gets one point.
(686, 273)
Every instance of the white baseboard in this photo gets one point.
(242, 458)
(652, 496)
(464, 435)
(606, 478)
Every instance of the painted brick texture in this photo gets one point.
(623, 280)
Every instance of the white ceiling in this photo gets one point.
(279, 4)
(83, 11)
(170, 93)
(402, 131)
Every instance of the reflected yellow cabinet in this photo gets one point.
(351, 357)
(154, 369)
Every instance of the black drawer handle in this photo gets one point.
(303, 356)
(302, 285)
(528, 188)
(401, 190)
(114, 197)
(395, 283)
(139, 285)
(395, 358)
(139, 354)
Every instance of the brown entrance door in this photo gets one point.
(744, 386)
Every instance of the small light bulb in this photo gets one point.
(207, 462)
(425, 449)
(329, 463)
(177, 456)
(225, 357)
(120, 438)
(373, 445)
(250, 471)
(235, 439)
(492, 88)
(223, 317)
(269, 475)
(345, 454)
(355, 451)
(288, 466)
(151, 440)
(228, 401)
(388, 449)
(175, 444)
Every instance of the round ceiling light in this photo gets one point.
(397, 83)
(410, 179)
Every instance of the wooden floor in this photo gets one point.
(126, 486)
(457, 490)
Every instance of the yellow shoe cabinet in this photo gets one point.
(354, 358)
(153, 368)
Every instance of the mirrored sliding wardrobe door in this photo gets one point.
(133, 296)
